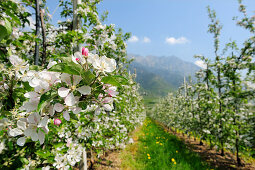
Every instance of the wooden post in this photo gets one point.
(37, 18)
(85, 166)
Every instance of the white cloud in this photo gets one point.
(201, 64)
(172, 40)
(31, 24)
(146, 40)
(133, 39)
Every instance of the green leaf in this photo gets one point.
(115, 80)
(88, 77)
(8, 27)
(45, 99)
(44, 153)
(69, 68)
(14, 18)
(73, 116)
(6, 30)
(24, 161)
(35, 67)
(121, 79)
(110, 80)
(27, 86)
(3, 32)
(83, 105)
(58, 145)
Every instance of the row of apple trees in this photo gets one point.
(219, 106)
(64, 87)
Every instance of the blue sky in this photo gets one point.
(173, 27)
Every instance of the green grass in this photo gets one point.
(157, 149)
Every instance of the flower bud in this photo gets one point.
(57, 122)
(85, 51)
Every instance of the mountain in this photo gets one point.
(159, 75)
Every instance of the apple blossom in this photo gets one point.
(57, 122)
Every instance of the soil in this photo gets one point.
(111, 161)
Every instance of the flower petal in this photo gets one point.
(85, 90)
(31, 95)
(34, 118)
(66, 78)
(41, 137)
(51, 110)
(74, 59)
(21, 125)
(15, 132)
(76, 110)
(34, 135)
(28, 132)
(76, 79)
(21, 141)
(70, 100)
(43, 122)
(108, 107)
(58, 107)
(63, 92)
(30, 106)
(97, 111)
(66, 115)
(80, 57)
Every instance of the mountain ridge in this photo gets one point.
(159, 75)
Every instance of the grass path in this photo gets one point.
(155, 149)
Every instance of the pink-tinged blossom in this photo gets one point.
(112, 91)
(57, 122)
(107, 100)
(68, 142)
(78, 58)
(85, 51)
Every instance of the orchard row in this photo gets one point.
(219, 106)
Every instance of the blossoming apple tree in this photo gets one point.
(75, 100)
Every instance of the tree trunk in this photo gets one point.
(37, 18)
(222, 149)
(201, 142)
(44, 39)
(237, 150)
(76, 21)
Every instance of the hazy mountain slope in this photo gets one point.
(151, 84)
(159, 75)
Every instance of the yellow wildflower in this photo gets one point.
(148, 154)
(149, 157)
(161, 144)
(157, 142)
(176, 151)
(175, 163)
(173, 160)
